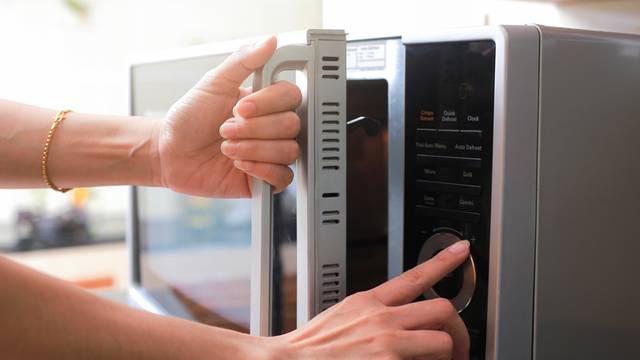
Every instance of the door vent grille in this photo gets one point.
(330, 292)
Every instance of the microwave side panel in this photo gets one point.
(587, 294)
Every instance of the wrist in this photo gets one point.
(142, 165)
(243, 346)
(278, 348)
(263, 348)
(153, 153)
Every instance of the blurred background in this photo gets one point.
(75, 54)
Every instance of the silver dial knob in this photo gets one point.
(460, 285)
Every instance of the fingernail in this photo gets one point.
(243, 165)
(228, 129)
(244, 109)
(228, 148)
(459, 247)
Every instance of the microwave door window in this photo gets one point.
(195, 255)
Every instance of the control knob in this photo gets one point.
(459, 285)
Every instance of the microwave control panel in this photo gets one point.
(448, 155)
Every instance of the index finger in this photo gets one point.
(409, 285)
(279, 97)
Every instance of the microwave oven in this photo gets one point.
(518, 138)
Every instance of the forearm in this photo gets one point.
(42, 317)
(87, 150)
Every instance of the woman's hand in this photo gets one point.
(383, 323)
(218, 136)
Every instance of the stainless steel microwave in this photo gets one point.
(521, 139)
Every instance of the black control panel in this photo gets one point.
(449, 134)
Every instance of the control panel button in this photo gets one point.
(467, 147)
(449, 115)
(437, 146)
(468, 202)
(428, 199)
(428, 172)
(469, 175)
(474, 118)
(427, 117)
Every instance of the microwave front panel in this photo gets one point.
(504, 274)
(448, 158)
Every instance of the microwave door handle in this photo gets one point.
(291, 57)
(320, 221)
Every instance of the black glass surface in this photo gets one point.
(367, 188)
(449, 101)
(192, 254)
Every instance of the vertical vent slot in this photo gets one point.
(328, 303)
(331, 217)
(331, 113)
(330, 130)
(330, 68)
(330, 266)
(330, 292)
(330, 275)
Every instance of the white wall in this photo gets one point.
(52, 57)
(408, 16)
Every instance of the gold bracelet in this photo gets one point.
(57, 121)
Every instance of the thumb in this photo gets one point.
(238, 66)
